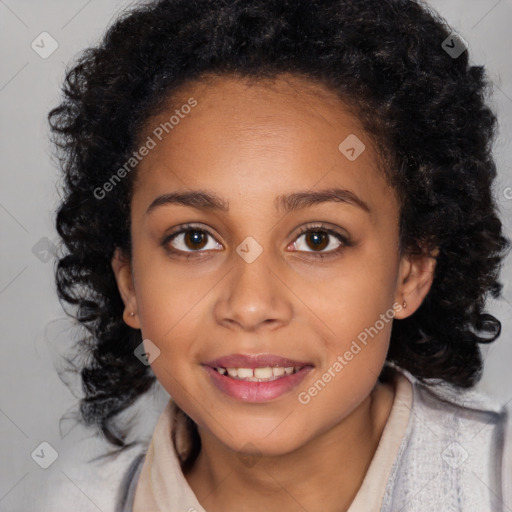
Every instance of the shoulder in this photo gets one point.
(84, 476)
(456, 450)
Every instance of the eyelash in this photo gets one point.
(345, 242)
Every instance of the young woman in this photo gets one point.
(281, 212)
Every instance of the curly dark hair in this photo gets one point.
(425, 110)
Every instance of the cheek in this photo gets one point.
(355, 296)
(174, 326)
(352, 361)
(372, 281)
(166, 298)
(356, 309)
(171, 314)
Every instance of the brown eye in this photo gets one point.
(320, 241)
(190, 239)
(317, 239)
(195, 239)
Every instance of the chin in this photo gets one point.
(258, 442)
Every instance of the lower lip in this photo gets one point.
(257, 391)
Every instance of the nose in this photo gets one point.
(254, 296)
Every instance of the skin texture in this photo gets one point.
(249, 144)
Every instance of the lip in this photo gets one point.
(254, 361)
(256, 392)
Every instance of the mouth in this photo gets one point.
(256, 378)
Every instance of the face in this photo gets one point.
(275, 272)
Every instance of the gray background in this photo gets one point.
(34, 328)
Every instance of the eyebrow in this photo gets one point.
(205, 200)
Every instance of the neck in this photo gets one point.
(329, 469)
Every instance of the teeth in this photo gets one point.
(258, 374)
(277, 372)
(262, 373)
(233, 372)
(243, 373)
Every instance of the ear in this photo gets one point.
(416, 275)
(123, 274)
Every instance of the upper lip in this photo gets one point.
(254, 361)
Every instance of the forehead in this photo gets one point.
(252, 142)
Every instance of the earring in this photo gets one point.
(404, 304)
(132, 314)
